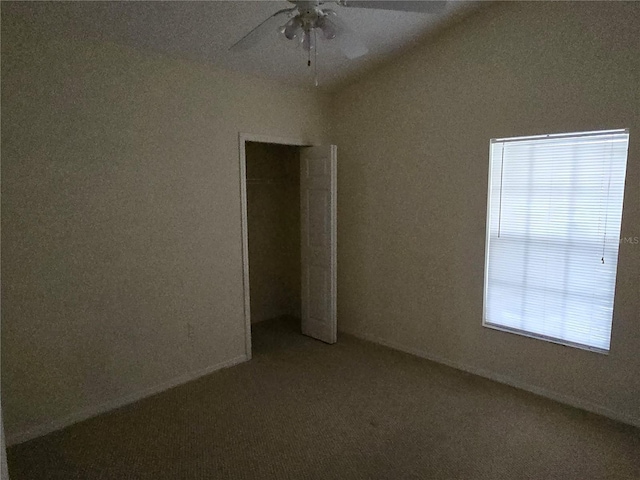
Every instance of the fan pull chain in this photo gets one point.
(315, 57)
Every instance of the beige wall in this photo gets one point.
(273, 225)
(121, 231)
(412, 176)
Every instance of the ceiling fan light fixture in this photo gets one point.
(292, 28)
(329, 30)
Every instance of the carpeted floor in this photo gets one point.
(355, 410)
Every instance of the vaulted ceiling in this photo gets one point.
(204, 31)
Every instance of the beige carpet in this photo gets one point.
(305, 410)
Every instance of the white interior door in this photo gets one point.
(318, 192)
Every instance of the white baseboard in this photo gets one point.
(543, 392)
(92, 411)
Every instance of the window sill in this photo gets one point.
(557, 341)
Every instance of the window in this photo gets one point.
(553, 230)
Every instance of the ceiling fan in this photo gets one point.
(308, 20)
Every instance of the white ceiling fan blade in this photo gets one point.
(269, 26)
(421, 6)
(346, 40)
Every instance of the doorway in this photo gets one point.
(288, 192)
(273, 229)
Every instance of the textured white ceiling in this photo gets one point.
(204, 31)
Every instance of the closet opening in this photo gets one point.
(273, 231)
(288, 192)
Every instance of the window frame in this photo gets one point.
(524, 333)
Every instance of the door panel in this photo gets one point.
(318, 283)
(319, 213)
(318, 223)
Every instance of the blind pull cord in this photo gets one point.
(501, 182)
(606, 212)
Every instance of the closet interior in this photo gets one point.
(273, 227)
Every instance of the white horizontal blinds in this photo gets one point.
(555, 207)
